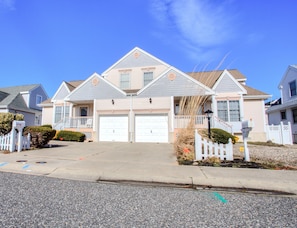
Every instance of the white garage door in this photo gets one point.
(113, 128)
(151, 128)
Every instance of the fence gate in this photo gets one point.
(205, 149)
(280, 134)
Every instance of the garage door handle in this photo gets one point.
(151, 131)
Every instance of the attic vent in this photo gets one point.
(95, 81)
(136, 54)
(171, 76)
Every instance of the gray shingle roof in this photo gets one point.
(10, 97)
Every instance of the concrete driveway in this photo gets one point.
(96, 161)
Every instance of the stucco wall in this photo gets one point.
(254, 109)
(47, 115)
(136, 75)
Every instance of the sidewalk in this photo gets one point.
(141, 162)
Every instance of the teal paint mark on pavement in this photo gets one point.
(26, 166)
(220, 197)
(3, 164)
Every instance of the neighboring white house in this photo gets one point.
(137, 99)
(286, 110)
(24, 100)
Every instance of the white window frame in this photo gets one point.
(147, 77)
(228, 112)
(125, 80)
(293, 88)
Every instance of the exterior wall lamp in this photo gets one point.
(208, 115)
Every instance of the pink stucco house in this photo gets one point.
(137, 100)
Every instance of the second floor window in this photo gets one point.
(293, 91)
(38, 99)
(125, 81)
(147, 78)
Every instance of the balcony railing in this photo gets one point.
(200, 121)
(75, 122)
(182, 121)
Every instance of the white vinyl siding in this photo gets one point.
(293, 90)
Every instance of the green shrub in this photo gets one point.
(6, 120)
(71, 136)
(221, 136)
(48, 126)
(40, 135)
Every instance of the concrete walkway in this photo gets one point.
(141, 162)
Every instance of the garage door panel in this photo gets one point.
(151, 128)
(113, 128)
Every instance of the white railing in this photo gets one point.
(200, 121)
(10, 142)
(205, 149)
(281, 134)
(219, 123)
(74, 122)
(182, 121)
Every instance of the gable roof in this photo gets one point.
(143, 59)
(95, 87)
(174, 82)
(290, 67)
(65, 89)
(210, 78)
(73, 84)
(11, 98)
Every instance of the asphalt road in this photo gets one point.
(40, 201)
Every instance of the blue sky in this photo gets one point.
(50, 41)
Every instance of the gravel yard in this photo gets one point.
(286, 155)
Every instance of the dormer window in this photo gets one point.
(293, 91)
(147, 78)
(38, 99)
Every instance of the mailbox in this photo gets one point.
(247, 126)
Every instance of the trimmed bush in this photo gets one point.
(70, 136)
(6, 120)
(48, 126)
(221, 136)
(40, 136)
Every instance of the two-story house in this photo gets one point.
(24, 100)
(138, 99)
(286, 110)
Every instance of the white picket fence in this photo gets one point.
(205, 149)
(281, 134)
(7, 141)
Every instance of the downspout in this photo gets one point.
(130, 118)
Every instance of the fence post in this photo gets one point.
(290, 133)
(229, 150)
(28, 141)
(198, 146)
(281, 133)
(12, 140)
